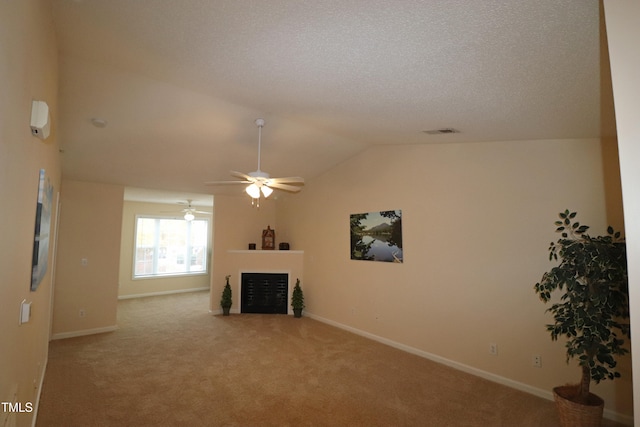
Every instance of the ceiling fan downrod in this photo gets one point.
(260, 124)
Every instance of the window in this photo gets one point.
(169, 246)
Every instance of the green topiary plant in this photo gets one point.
(225, 301)
(297, 299)
(594, 303)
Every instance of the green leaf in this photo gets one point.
(593, 284)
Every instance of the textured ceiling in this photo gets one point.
(181, 82)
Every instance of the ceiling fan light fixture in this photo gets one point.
(253, 191)
(189, 216)
(260, 183)
(266, 191)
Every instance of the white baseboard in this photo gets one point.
(84, 332)
(39, 393)
(545, 394)
(219, 311)
(153, 294)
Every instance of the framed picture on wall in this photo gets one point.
(42, 230)
(377, 236)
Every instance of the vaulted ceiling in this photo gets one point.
(180, 83)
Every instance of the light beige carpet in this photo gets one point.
(172, 363)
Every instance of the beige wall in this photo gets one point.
(622, 19)
(236, 224)
(28, 71)
(477, 222)
(90, 226)
(157, 285)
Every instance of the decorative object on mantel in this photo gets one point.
(259, 182)
(225, 301)
(297, 299)
(592, 312)
(252, 246)
(268, 238)
(377, 236)
(283, 246)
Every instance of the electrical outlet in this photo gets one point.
(493, 349)
(537, 361)
(81, 313)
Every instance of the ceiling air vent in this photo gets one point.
(441, 131)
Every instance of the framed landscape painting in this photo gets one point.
(377, 236)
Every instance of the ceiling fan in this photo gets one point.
(260, 182)
(189, 211)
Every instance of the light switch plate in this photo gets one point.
(25, 311)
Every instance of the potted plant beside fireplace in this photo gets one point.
(297, 299)
(591, 313)
(225, 301)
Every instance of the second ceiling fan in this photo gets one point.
(259, 182)
(190, 211)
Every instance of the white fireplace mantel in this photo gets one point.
(238, 261)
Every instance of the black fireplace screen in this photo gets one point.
(265, 293)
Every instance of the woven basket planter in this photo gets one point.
(574, 414)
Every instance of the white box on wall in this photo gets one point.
(40, 119)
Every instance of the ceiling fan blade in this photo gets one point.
(201, 212)
(242, 175)
(288, 180)
(285, 187)
(227, 182)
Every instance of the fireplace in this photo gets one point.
(264, 293)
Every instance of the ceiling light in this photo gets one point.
(99, 123)
(266, 191)
(189, 216)
(253, 191)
